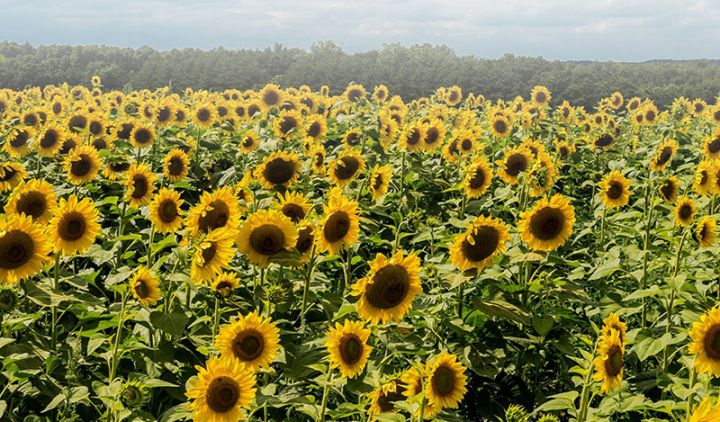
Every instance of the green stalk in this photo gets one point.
(676, 270)
(326, 390)
(585, 395)
(306, 287)
(56, 278)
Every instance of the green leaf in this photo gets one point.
(173, 323)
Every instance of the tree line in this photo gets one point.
(409, 71)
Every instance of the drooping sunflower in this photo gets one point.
(139, 185)
(278, 168)
(614, 190)
(340, 225)
(145, 287)
(17, 141)
(684, 211)
(347, 347)
(219, 209)
(540, 95)
(249, 142)
(549, 224)
(23, 248)
(294, 205)
(705, 231)
(11, 175)
(305, 240)
(379, 181)
(50, 140)
(670, 189)
(225, 283)
(74, 226)
(265, 234)
(176, 165)
(212, 255)
(609, 362)
(346, 167)
(478, 176)
(483, 239)
(663, 155)
(251, 339)
(221, 391)
(165, 213)
(36, 199)
(387, 291)
(515, 161)
(445, 384)
(613, 322)
(705, 182)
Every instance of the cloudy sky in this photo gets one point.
(622, 30)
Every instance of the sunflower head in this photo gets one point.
(340, 226)
(176, 165)
(347, 347)
(446, 379)
(266, 234)
(663, 155)
(295, 206)
(216, 210)
(222, 390)
(669, 189)
(609, 361)
(515, 161)
(36, 198)
(684, 211)
(82, 164)
(705, 231)
(145, 286)
(614, 190)
(484, 239)
(165, 213)
(225, 283)
(74, 225)
(139, 185)
(540, 95)
(278, 169)
(346, 167)
(379, 181)
(549, 224)
(213, 254)
(23, 248)
(251, 339)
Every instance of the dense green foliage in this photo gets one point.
(408, 71)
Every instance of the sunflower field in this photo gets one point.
(288, 254)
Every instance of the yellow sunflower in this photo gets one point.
(705, 231)
(17, 141)
(176, 165)
(74, 225)
(354, 93)
(387, 291)
(412, 137)
(548, 225)
(483, 239)
(669, 189)
(11, 175)
(664, 154)
(212, 255)
(380, 94)
(613, 322)
(145, 287)
(684, 211)
(82, 164)
(711, 145)
(249, 142)
(609, 362)
(265, 234)
(204, 116)
(383, 398)
(704, 181)
(515, 161)
(221, 391)
(316, 153)
(165, 213)
(295, 206)
(340, 225)
(347, 345)
(614, 190)
(705, 412)
(142, 136)
(23, 248)
(287, 125)
(445, 384)
(434, 134)
(50, 140)
(225, 283)
(478, 176)
(705, 335)
(219, 209)
(271, 96)
(139, 185)
(251, 339)
(36, 199)
(346, 167)
(278, 168)
(540, 95)
(379, 181)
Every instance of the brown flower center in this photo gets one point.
(516, 164)
(222, 394)
(614, 362)
(443, 381)
(337, 226)
(547, 223)
(351, 349)
(72, 226)
(268, 239)
(347, 167)
(485, 241)
(32, 203)
(248, 345)
(216, 216)
(279, 171)
(389, 287)
(16, 249)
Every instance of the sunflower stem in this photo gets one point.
(691, 395)
(602, 228)
(216, 316)
(402, 175)
(648, 211)
(56, 278)
(460, 301)
(326, 391)
(671, 302)
(116, 343)
(148, 261)
(585, 395)
(306, 288)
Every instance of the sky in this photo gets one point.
(619, 30)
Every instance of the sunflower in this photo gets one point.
(548, 225)
(145, 287)
(684, 211)
(11, 175)
(379, 181)
(705, 182)
(603, 141)
(50, 140)
(609, 362)
(705, 412)
(287, 125)
(670, 189)
(221, 391)
(317, 157)
(219, 209)
(23, 248)
(453, 96)
(17, 141)
(540, 96)
(165, 213)
(499, 126)
(251, 339)
(445, 385)
(278, 168)
(515, 161)
(176, 165)
(380, 94)
(346, 167)
(293, 205)
(204, 116)
(387, 291)
(412, 137)
(305, 240)
(249, 142)
(705, 231)
(271, 96)
(663, 155)
(705, 335)
(212, 255)
(383, 398)
(483, 239)
(225, 283)
(478, 176)
(711, 145)
(142, 136)
(354, 93)
(36, 199)
(82, 164)
(347, 345)
(140, 185)
(265, 234)
(340, 225)
(613, 323)
(614, 190)
(413, 381)
(74, 226)
(114, 170)
(352, 138)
